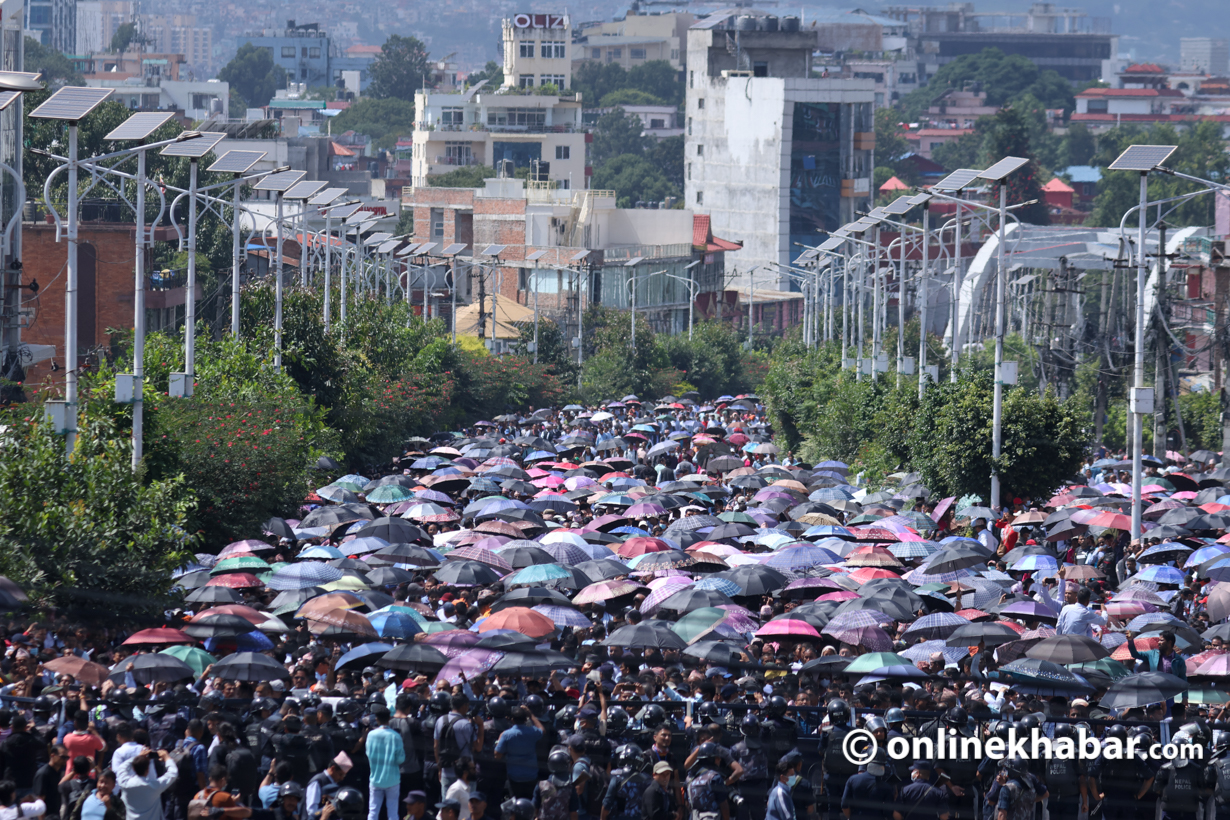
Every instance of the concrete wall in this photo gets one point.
(626, 226)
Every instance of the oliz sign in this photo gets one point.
(538, 21)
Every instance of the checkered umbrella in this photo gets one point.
(855, 618)
(306, 574)
(938, 625)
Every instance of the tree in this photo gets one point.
(629, 96)
(963, 152)
(595, 80)
(1007, 137)
(384, 120)
(124, 36)
(254, 75)
(634, 178)
(658, 79)
(553, 349)
(493, 73)
(613, 366)
(400, 69)
(1004, 77)
(54, 66)
(891, 145)
(1078, 145)
(667, 155)
(711, 361)
(616, 133)
(86, 535)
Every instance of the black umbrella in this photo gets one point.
(732, 530)
(755, 579)
(279, 527)
(1209, 521)
(193, 580)
(1169, 532)
(514, 485)
(531, 596)
(337, 514)
(958, 556)
(1142, 689)
(646, 635)
(1065, 649)
(990, 634)
(827, 665)
(603, 569)
(507, 642)
(723, 464)
(414, 657)
(214, 595)
(152, 668)
(249, 666)
(693, 522)
(327, 464)
(522, 557)
(394, 530)
(722, 653)
(295, 597)
(690, 598)
(1220, 631)
(389, 576)
(466, 573)
(537, 663)
(1179, 516)
(221, 625)
(408, 554)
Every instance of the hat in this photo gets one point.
(449, 804)
(922, 765)
(576, 742)
(478, 796)
(588, 714)
(416, 797)
(662, 767)
(343, 762)
(448, 596)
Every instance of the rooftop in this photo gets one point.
(1090, 93)
(1083, 173)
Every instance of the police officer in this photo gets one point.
(706, 789)
(837, 767)
(627, 786)
(780, 733)
(492, 772)
(920, 799)
(1065, 780)
(1183, 783)
(1017, 796)
(961, 774)
(437, 707)
(1123, 781)
(750, 754)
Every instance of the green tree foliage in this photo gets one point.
(254, 75)
(629, 96)
(656, 78)
(615, 134)
(124, 36)
(667, 155)
(634, 178)
(400, 69)
(712, 361)
(892, 146)
(384, 120)
(1008, 136)
(963, 152)
(553, 349)
(493, 73)
(613, 366)
(1004, 77)
(85, 534)
(56, 69)
(1078, 145)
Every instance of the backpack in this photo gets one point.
(198, 807)
(701, 796)
(555, 801)
(835, 760)
(450, 747)
(1221, 767)
(1062, 778)
(185, 782)
(76, 802)
(628, 793)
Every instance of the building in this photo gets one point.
(539, 131)
(180, 34)
(196, 100)
(308, 56)
(959, 108)
(53, 23)
(97, 22)
(1067, 40)
(1104, 108)
(132, 65)
(636, 39)
(565, 248)
(658, 121)
(1204, 55)
(537, 51)
(13, 316)
(776, 156)
(928, 138)
(1084, 180)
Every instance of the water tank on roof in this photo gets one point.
(790, 24)
(745, 23)
(769, 23)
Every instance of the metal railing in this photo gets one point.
(462, 161)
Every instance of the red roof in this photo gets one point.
(894, 184)
(702, 236)
(340, 150)
(1144, 68)
(1089, 93)
(1057, 185)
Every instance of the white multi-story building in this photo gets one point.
(777, 156)
(538, 51)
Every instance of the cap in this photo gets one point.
(478, 796)
(576, 742)
(922, 765)
(416, 797)
(662, 767)
(449, 804)
(343, 762)
(588, 714)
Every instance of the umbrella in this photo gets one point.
(874, 660)
(307, 574)
(466, 573)
(938, 625)
(218, 625)
(605, 590)
(1043, 677)
(1065, 649)
(198, 660)
(154, 637)
(1142, 689)
(520, 619)
(690, 598)
(989, 634)
(249, 666)
(646, 636)
(956, 557)
(88, 672)
(470, 663)
(563, 615)
(362, 654)
(392, 624)
(717, 652)
(416, 657)
(788, 627)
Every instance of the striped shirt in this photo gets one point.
(385, 753)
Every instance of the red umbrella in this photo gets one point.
(163, 635)
(1114, 521)
(245, 612)
(641, 545)
(235, 580)
(521, 619)
(973, 614)
(871, 573)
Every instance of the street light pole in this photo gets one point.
(1138, 373)
(997, 412)
(190, 296)
(70, 297)
(138, 323)
(277, 309)
(922, 302)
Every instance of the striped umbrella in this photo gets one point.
(906, 550)
(723, 585)
(869, 637)
(938, 626)
(565, 553)
(474, 552)
(299, 576)
(563, 615)
(667, 587)
(855, 618)
(921, 652)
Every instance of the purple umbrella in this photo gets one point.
(669, 587)
(923, 651)
(871, 637)
(801, 557)
(564, 552)
(471, 662)
(563, 615)
(1030, 610)
(434, 495)
(453, 642)
(855, 619)
(938, 625)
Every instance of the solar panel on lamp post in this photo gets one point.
(997, 173)
(237, 163)
(70, 105)
(1141, 159)
(955, 183)
(278, 184)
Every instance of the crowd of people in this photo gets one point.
(646, 611)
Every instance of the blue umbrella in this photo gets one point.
(323, 552)
(253, 641)
(428, 463)
(562, 615)
(913, 549)
(539, 574)
(842, 492)
(827, 530)
(362, 652)
(722, 585)
(1160, 574)
(359, 546)
(1139, 623)
(564, 552)
(391, 624)
(300, 576)
(803, 557)
(1205, 554)
(596, 551)
(923, 651)
(484, 485)
(936, 626)
(1034, 563)
(631, 531)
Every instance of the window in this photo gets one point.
(303, 73)
(1098, 106)
(563, 184)
(553, 49)
(689, 170)
(563, 152)
(526, 81)
(636, 53)
(526, 117)
(614, 53)
(700, 197)
(303, 52)
(527, 48)
(314, 52)
(451, 116)
(700, 102)
(657, 123)
(437, 223)
(596, 53)
(202, 101)
(700, 149)
(288, 52)
(691, 79)
(458, 153)
(674, 54)
(760, 69)
(689, 126)
(558, 80)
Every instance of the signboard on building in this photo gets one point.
(555, 21)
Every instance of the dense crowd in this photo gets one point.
(647, 612)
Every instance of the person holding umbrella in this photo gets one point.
(1162, 659)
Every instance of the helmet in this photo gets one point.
(1064, 730)
(1001, 728)
(290, 789)
(839, 711)
(616, 720)
(956, 717)
(629, 756)
(535, 704)
(498, 708)
(373, 671)
(653, 716)
(1118, 731)
(350, 804)
(776, 707)
(707, 712)
(440, 702)
(708, 751)
(567, 715)
(750, 726)
(348, 708)
(1015, 766)
(375, 697)
(517, 808)
(894, 717)
(1144, 733)
(44, 704)
(559, 761)
(875, 724)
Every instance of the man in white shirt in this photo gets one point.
(142, 787)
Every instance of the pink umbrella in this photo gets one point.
(247, 545)
(604, 591)
(789, 627)
(1217, 667)
(576, 482)
(1175, 456)
(482, 554)
(536, 472)
(549, 481)
(680, 579)
(1128, 609)
(1152, 488)
(470, 663)
(841, 595)
(1184, 495)
(942, 508)
(869, 637)
(865, 574)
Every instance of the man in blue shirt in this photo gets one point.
(517, 747)
(781, 804)
(385, 754)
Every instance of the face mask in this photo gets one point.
(792, 781)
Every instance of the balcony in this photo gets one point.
(458, 161)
